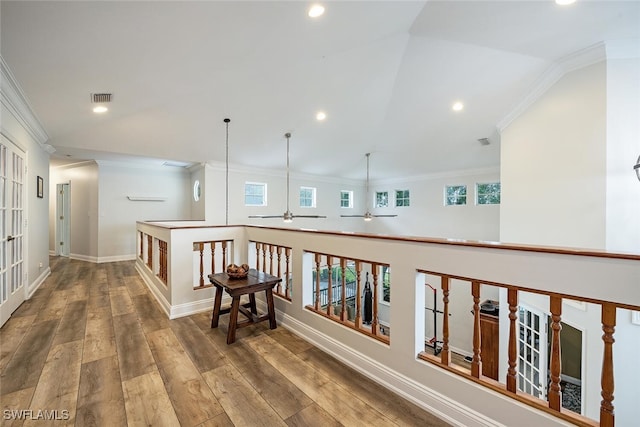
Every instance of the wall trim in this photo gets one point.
(580, 59)
(13, 97)
(164, 304)
(33, 286)
(82, 257)
(428, 399)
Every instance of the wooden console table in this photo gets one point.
(255, 281)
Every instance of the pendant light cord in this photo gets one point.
(226, 219)
(287, 135)
(367, 183)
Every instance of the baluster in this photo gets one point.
(224, 255)
(150, 251)
(607, 414)
(257, 256)
(330, 286)
(141, 245)
(374, 320)
(271, 260)
(317, 303)
(445, 355)
(213, 258)
(555, 395)
(279, 253)
(343, 291)
(201, 249)
(476, 363)
(512, 299)
(264, 257)
(358, 319)
(287, 255)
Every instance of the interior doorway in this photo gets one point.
(63, 218)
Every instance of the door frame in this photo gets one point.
(9, 306)
(63, 210)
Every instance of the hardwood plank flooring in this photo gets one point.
(93, 341)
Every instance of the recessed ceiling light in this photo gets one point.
(321, 115)
(316, 10)
(100, 109)
(565, 2)
(457, 106)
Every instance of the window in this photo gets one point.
(455, 195)
(196, 190)
(255, 194)
(307, 197)
(402, 198)
(346, 199)
(386, 284)
(488, 194)
(382, 199)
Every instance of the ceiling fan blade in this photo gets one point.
(385, 216)
(352, 216)
(265, 216)
(309, 216)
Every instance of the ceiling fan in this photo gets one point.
(287, 216)
(368, 216)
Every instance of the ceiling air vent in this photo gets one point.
(100, 98)
(484, 141)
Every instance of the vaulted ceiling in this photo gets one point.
(385, 73)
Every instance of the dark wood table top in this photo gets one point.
(254, 282)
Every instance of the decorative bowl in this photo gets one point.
(237, 271)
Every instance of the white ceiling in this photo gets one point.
(386, 74)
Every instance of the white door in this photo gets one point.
(11, 228)
(62, 212)
(532, 357)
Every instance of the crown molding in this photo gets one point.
(14, 99)
(580, 59)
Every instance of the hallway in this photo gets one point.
(93, 347)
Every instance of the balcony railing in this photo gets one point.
(325, 293)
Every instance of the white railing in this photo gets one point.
(588, 277)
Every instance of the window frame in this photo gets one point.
(406, 198)
(446, 195)
(313, 196)
(349, 194)
(375, 200)
(264, 194)
(478, 194)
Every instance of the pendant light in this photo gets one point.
(287, 216)
(368, 216)
(226, 218)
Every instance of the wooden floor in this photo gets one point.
(93, 346)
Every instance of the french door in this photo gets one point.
(11, 228)
(532, 357)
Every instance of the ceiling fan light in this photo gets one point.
(367, 216)
(287, 217)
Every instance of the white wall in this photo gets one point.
(567, 176)
(427, 214)
(118, 215)
(623, 149)
(327, 202)
(83, 222)
(553, 166)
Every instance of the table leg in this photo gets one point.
(252, 303)
(233, 319)
(216, 307)
(271, 308)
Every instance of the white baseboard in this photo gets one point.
(164, 304)
(104, 259)
(428, 399)
(33, 286)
